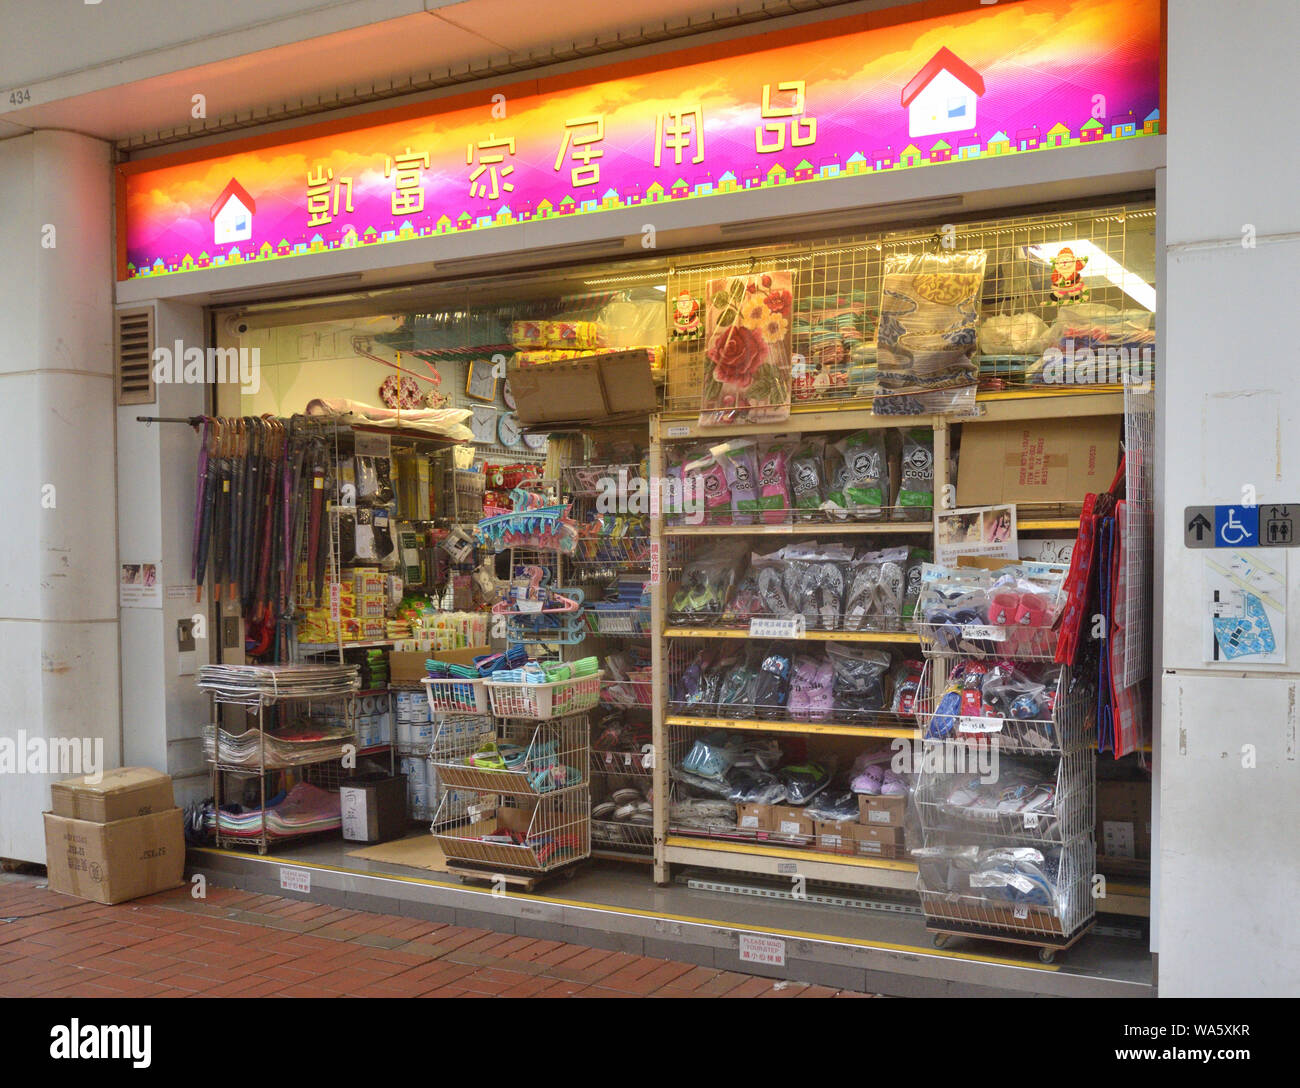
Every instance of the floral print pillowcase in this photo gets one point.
(747, 349)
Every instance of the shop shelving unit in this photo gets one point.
(266, 705)
(601, 561)
(670, 545)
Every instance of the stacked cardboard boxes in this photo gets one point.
(876, 833)
(115, 836)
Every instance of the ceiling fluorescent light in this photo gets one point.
(849, 217)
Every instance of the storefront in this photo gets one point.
(835, 456)
(789, 504)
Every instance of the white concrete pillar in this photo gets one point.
(58, 603)
(1229, 855)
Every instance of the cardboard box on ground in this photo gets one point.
(115, 839)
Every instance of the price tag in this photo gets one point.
(777, 627)
(530, 606)
(980, 725)
(984, 631)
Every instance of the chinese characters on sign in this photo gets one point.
(770, 137)
(408, 193)
(588, 173)
(488, 163)
(318, 197)
(676, 130)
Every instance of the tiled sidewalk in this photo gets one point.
(240, 944)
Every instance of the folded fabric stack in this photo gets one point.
(249, 683)
(546, 672)
(305, 810)
(302, 743)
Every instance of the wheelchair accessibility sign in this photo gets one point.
(1265, 525)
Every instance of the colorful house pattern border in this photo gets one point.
(703, 123)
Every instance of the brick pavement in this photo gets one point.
(237, 943)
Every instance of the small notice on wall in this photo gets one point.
(975, 531)
(1245, 606)
(140, 585)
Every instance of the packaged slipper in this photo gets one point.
(915, 500)
(859, 674)
(867, 489)
(772, 688)
(804, 781)
(807, 478)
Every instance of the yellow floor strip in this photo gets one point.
(794, 934)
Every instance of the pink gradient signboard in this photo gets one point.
(959, 81)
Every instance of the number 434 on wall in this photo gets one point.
(19, 97)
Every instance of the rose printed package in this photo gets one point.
(747, 350)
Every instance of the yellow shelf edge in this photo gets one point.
(810, 636)
(1048, 523)
(819, 528)
(682, 842)
(782, 725)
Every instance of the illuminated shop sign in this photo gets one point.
(810, 106)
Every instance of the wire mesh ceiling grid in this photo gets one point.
(836, 283)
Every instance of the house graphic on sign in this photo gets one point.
(941, 97)
(232, 215)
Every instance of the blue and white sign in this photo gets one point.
(1266, 525)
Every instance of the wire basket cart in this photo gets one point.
(516, 756)
(1007, 809)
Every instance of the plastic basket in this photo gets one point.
(454, 696)
(540, 701)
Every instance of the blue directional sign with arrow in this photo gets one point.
(1268, 525)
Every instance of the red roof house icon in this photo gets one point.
(941, 96)
(232, 214)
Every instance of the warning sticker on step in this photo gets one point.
(768, 950)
